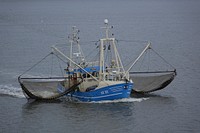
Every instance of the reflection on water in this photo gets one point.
(74, 116)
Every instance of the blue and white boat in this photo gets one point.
(104, 78)
(101, 80)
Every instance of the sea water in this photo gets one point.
(29, 28)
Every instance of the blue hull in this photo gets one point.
(111, 92)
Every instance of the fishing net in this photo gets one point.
(145, 82)
(46, 80)
(150, 71)
(47, 88)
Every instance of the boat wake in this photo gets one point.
(11, 91)
(124, 100)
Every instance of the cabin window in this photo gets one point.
(75, 75)
(84, 75)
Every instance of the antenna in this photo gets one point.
(106, 21)
(107, 27)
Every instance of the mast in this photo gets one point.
(117, 67)
(101, 61)
(101, 51)
(75, 46)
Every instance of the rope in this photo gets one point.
(149, 59)
(91, 53)
(144, 57)
(138, 41)
(35, 64)
(51, 65)
(162, 58)
(61, 68)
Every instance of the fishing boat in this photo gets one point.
(83, 81)
(104, 78)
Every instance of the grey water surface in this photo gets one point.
(28, 29)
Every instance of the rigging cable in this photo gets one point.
(51, 65)
(36, 64)
(60, 66)
(163, 58)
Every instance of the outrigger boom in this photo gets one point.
(63, 55)
(145, 49)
